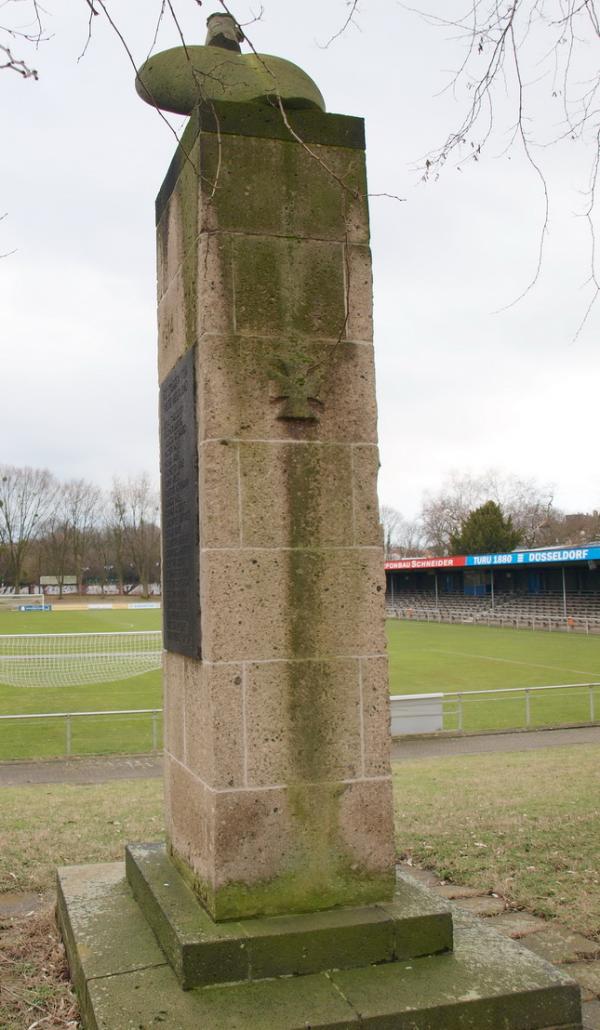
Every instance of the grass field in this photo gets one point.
(46, 738)
(424, 657)
(523, 825)
(428, 657)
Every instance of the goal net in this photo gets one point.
(12, 602)
(77, 659)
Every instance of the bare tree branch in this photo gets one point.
(502, 66)
(353, 5)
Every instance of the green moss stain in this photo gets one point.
(188, 202)
(291, 288)
(315, 809)
(297, 891)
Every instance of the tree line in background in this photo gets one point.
(74, 529)
(479, 514)
(112, 538)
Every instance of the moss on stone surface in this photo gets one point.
(317, 191)
(178, 79)
(186, 201)
(265, 122)
(296, 891)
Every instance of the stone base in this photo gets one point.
(202, 951)
(124, 981)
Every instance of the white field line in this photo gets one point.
(514, 661)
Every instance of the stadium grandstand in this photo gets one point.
(542, 588)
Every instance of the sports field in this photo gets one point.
(39, 739)
(424, 658)
(433, 657)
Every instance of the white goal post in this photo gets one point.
(12, 602)
(77, 659)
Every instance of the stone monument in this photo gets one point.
(274, 903)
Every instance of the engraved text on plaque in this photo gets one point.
(179, 490)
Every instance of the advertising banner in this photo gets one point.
(427, 563)
(470, 561)
(560, 555)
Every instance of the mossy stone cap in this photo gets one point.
(178, 80)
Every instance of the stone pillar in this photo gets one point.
(276, 694)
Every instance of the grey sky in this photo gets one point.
(460, 388)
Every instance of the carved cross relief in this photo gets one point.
(298, 386)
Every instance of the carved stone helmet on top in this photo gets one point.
(180, 79)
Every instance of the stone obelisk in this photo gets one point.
(275, 676)
(274, 904)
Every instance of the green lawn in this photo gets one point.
(430, 657)
(424, 657)
(46, 738)
(525, 825)
(108, 621)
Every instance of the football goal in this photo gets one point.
(77, 659)
(12, 602)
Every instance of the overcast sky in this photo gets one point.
(461, 388)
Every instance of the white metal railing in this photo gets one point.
(453, 703)
(549, 623)
(69, 716)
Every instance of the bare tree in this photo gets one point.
(529, 505)
(135, 506)
(26, 496)
(67, 530)
(54, 541)
(400, 536)
(83, 505)
(21, 27)
(528, 77)
(390, 519)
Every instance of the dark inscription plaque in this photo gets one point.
(179, 491)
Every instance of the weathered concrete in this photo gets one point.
(559, 945)
(518, 925)
(406, 749)
(201, 951)
(97, 769)
(484, 905)
(123, 979)
(591, 1015)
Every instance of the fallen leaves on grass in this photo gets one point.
(34, 979)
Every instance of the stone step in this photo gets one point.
(202, 951)
(123, 980)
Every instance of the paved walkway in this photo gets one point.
(409, 748)
(98, 769)
(578, 956)
(101, 768)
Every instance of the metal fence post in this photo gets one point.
(154, 731)
(68, 734)
(527, 707)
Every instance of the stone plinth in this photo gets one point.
(276, 693)
(126, 977)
